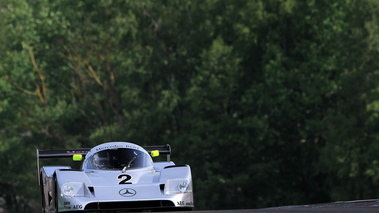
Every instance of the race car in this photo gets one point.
(115, 176)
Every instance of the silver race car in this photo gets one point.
(115, 176)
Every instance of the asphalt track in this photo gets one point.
(364, 206)
(344, 206)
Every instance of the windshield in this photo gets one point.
(117, 159)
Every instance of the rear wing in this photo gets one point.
(68, 153)
(62, 153)
(163, 149)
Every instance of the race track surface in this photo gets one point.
(343, 206)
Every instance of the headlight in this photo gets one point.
(177, 186)
(183, 186)
(73, 189)
(68, 190)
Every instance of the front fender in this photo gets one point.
(73, 178)
(174, 172)
(69, 175)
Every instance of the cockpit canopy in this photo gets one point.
(118, 159)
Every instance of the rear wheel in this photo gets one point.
(43, 202)
(55, 195)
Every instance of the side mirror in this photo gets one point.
(154, 153)
(77, 157)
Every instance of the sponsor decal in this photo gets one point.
(78, 207)
(182, 203)
(67, 205)
(116, 146)
(76, 152)
(108, 147)
(127, 192)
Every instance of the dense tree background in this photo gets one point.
(271, 102)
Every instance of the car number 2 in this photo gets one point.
(124, 179)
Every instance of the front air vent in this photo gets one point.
(157, 204)
(92, 190)
(161, 186)
(175, 166)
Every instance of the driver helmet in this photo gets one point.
(101, 160)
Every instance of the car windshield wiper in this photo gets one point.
(130, 163)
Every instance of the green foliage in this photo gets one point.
(270, 102)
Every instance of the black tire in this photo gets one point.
(55, 195)
(43, 203)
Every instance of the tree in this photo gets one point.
(270, 102)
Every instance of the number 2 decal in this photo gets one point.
(124, 179)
